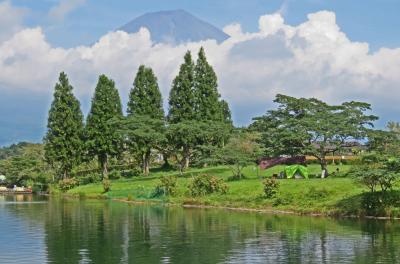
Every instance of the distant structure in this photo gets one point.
(175, 27)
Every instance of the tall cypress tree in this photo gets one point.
(144, 125)
(206, 90)
(182, 97)
(102, 138)
(145, 97)
(63, 141)
(226, 115)
(182, 133)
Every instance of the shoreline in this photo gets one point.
(254, 210)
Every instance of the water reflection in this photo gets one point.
(70, 231)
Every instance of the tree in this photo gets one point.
(145, 97)
(182, 96)
(226, 115)
(207, 105)
(378, 170)
(63, 140)
(241, 151)
(182, 129)
(103, 139)
(312, 127)
(144, 127)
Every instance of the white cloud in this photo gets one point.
(63, 8)
(313, 59)
(10, 19)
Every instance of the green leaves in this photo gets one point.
(145, 97)
(63, 140)
(312, 127)
(102, 138)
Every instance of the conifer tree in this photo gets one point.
(144, 126)
(103, 139)
(182, 130)
(63, 141)
(206, 90)
(145, 97)
(182, 97)
(226, 115)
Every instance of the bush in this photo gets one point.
(271, 187)
(167, 186)
(131, 173)
(205, 184)
(89, 178)
(114, 175)
(67, 184)
(106, 185)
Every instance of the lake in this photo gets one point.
(50, 230)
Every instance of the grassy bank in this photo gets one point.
(331, 196)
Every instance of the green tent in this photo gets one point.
(292, 170)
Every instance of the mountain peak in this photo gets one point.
(175, 27)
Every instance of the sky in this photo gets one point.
(334, 50)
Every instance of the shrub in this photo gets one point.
(271, 187)
(106, 185)
(131, 173)
(114, 175)
(89, 178)
(67, 184)
(205, 184)
(166, 186)
(130, 197)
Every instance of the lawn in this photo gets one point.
(302, 196)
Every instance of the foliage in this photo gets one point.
(182, 97)
(106, 185)
(67, 184)
(145, 96)
(13, 150)
(377, 170)
(144, 127)
(63, 140)
(207, 105)
(271, 187)
(167, 186)
(241, 150)
(205, 184)
(27, 164)
(102, 138)
(312, 127)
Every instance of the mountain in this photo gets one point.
(175, 27)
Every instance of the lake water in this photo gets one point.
(41, 230)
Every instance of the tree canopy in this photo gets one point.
(63, 140)
(312, 127)
(102, 139)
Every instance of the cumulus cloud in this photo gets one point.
(63, 8)
(312, 59)
(10, 19)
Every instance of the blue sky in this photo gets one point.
(376, 22)
(335, 50)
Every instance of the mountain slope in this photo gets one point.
(175, 27)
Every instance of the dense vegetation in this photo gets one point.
(194, 155)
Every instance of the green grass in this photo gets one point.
(325, 196)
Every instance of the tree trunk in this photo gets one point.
(146, 163)
(324, 167)
(186, 157)
(104, 165)
(166, 162)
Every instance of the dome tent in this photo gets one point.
(293, 170)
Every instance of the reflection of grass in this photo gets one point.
(325, 196)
